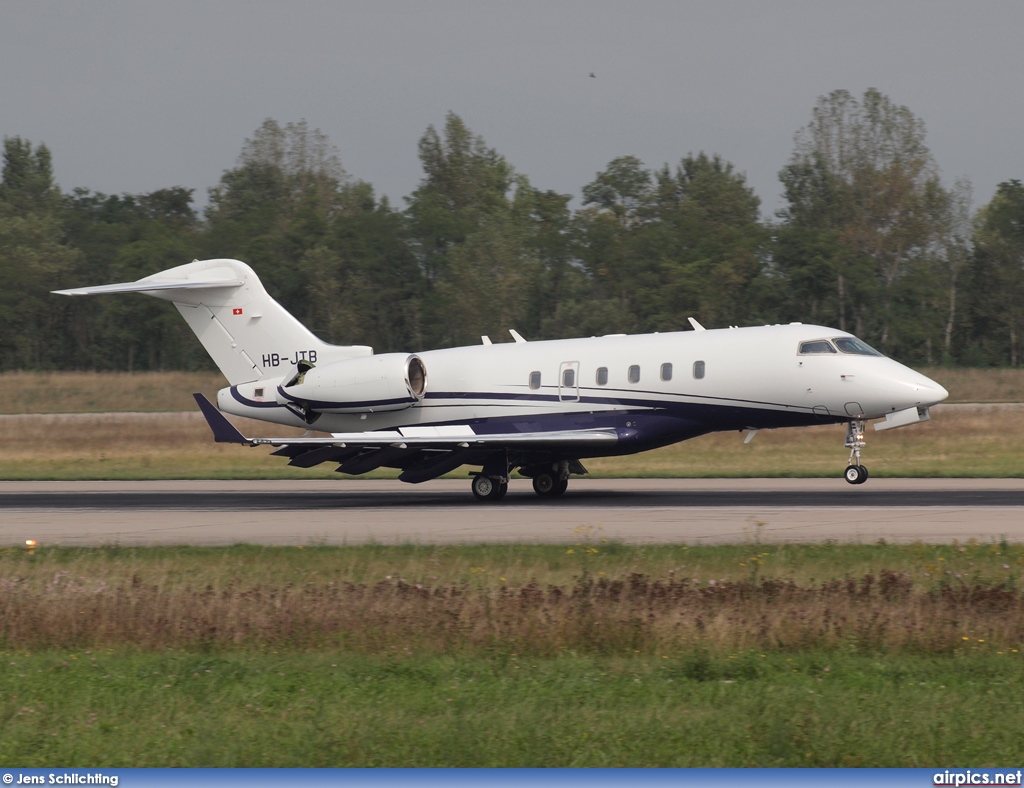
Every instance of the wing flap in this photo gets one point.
(432, 467)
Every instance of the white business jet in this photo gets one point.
(535, 407)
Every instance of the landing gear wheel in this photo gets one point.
(543, 484)
(856, 474)
(547, 485)
(487, 489)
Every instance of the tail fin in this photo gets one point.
(246, 332)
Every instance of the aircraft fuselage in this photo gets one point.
(655, 388)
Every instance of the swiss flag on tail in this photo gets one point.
(237, 310)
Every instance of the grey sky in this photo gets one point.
(136, 96)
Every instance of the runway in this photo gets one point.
(691, 511)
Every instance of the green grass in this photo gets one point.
(678, 709)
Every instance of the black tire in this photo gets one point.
(483, 487)
(544, 483)
(487, 489)
(855, 474)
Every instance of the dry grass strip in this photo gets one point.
(959, 441)
(635, 614)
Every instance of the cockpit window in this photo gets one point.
(855, 346)
(816, 346)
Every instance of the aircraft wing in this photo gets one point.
(432, 451)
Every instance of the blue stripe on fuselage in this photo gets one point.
(656, 422)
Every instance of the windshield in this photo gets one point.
(855, 346)
(816, 346)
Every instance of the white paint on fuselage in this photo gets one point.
(755, 369)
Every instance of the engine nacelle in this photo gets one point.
(371, 384)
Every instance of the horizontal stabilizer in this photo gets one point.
(151, 285)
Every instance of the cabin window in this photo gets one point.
(855, 346)
(259, 393)
(602, 376)
(534, 380)
(634, 374)
(666, 372)
(698, 369)
(816, 346)
(569, 378)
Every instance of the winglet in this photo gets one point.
(223, 430)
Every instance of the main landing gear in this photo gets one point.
(489, 488)
(855, 473)
(549, 480)
(549, 485)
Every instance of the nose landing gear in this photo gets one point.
(855, 473)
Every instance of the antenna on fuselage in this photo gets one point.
(696, 326)
(516, 335)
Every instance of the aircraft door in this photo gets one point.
(569, 381)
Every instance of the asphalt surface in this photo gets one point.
(445, 512)
(262, 499)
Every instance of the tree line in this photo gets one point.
(870, 241)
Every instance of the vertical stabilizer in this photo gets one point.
(246, 332)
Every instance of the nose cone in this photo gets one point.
(924, 390)
(940, 394)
